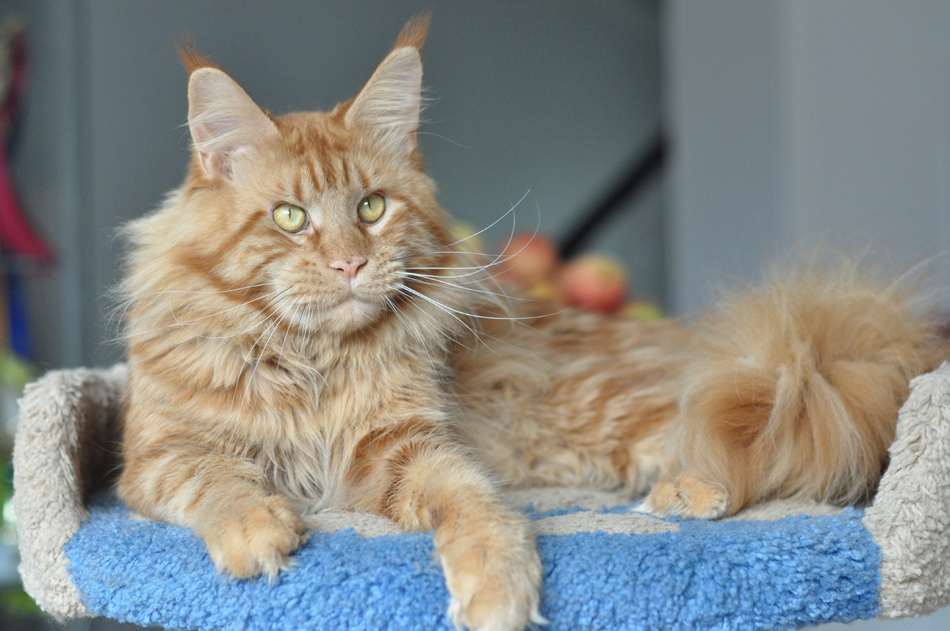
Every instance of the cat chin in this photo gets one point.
(350, 315)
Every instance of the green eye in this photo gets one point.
(290, 218)
(371, 208)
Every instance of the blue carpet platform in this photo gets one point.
(606, 568)
(786, 574)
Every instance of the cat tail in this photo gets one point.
(796, 387)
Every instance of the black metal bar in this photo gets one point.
(627, 186)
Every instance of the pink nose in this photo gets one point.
(349, 267)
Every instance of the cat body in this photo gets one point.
(304, 333)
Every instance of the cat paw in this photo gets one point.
(256, 540)
(687, 496)
(492, 587)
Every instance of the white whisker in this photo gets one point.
(435, 281)
(450, 311)
(511, 211)
(429, 133)
(274, 326)
(473, 315)
(492, 224)
(287, 333)
(417, 334)
(179, 323)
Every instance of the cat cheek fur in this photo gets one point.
(257, 396)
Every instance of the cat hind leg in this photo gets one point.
(686, 496)
(794, 392)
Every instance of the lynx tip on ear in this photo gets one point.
(414, 33)
(190, 58)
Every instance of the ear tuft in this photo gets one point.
(414, 33)
(389, 105)
(190, 58)
(224, 121)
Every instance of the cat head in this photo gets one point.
(324, 212)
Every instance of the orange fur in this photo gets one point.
(795, 388)
(415, 32)
(190, 58)
(267, 385)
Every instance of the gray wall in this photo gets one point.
(46, 169)
(797, 122)
(550, 96)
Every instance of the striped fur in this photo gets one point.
(266, 385)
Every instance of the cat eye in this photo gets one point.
(371, 208)
(290, 218)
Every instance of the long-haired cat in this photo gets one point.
(304, 333)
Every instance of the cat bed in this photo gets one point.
(782, 565)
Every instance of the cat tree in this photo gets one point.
(782, 565)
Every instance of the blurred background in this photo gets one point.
(786, 123)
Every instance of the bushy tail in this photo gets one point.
(796, 388)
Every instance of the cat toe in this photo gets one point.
(257, 540)
(688, 496)
(496, 592)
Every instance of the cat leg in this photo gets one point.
(687, 496)
(486, 549)
(224, 500)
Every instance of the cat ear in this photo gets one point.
(390, 102)
(224, 121)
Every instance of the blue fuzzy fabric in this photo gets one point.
(786, 574)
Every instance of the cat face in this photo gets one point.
(325, 213)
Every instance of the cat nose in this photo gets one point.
(349, 267)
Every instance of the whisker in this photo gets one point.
(224, 337)
(217, 291)
(287, 333)
(482, 317)
(499, 259)
(438, 280)
(443, 330)
(299, 354)
(510, 211)
(429, 133)
(479, 336)
(179, 323)
(463, 252)
(394, 139)
(450, 312)
(274, 326)
(492, 224)
(417, 334)
(245, 363)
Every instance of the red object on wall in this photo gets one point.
(16, 234)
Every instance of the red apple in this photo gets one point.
(595, 283)
(528, 259)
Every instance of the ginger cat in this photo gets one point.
(303, 333)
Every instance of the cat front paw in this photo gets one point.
(494, 580)
(256, 539)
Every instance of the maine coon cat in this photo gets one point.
(303, 332)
